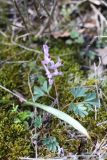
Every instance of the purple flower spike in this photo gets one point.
(46, 50)
(46, 54)
(50, 67)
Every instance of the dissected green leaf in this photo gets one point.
(78, 109)
(74, 34)
(41, 91)
(72, 107)
(94, 102)
(79, 40)
(38, 122)
(38, 92)
(91, 55)
(90, 96)
(91, 99)
(81, 110)
(45, 87)
(25, 115)
(51, 143)
(61, 115)
(78, 92)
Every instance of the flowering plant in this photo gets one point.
(50, 66)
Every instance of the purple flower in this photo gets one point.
(50, 67)
(46, 54)
(46, 50)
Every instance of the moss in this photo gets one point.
(4, 9)
(71, 72)
(15, 76)
(14, 138)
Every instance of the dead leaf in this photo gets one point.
(61, 34)
(89, 25)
